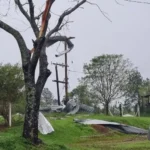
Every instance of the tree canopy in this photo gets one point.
(11, 83)
(82, 93)
(107, 77)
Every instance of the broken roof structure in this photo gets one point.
(113, 125)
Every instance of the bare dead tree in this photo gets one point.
(31, 57)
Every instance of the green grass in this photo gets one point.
(1, 119)
(72, 136)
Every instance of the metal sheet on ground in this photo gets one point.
(44, 125)
(113, 125)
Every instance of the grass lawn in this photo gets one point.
(72, 136)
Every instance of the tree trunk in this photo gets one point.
(34, 90)
(107, 108)
(30, 129)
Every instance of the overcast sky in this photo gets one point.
(128, 34)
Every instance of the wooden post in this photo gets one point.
(10, 114)
(57, 83)
(121, 110)
(57, 79)
(66, 77)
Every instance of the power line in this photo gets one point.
(76, 71)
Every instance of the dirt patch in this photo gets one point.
(3, 127)
(100, 128)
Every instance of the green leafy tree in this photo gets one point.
(11, 83)
(144, 95)
(82, 93)
(133, 89)
(145, 89)
(107, 77)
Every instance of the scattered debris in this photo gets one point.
(86, 108)
(73, 106)
(94, 121)
(56, 108)
(113, 125)
(44, 126)
(52, 108)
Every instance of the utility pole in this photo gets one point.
(66, 77)
(57, 84)
(57, 80)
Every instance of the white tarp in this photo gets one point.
(43, 125)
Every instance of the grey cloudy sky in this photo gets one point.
(128, 34)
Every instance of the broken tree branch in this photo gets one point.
(45, 17)
(53, 40)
